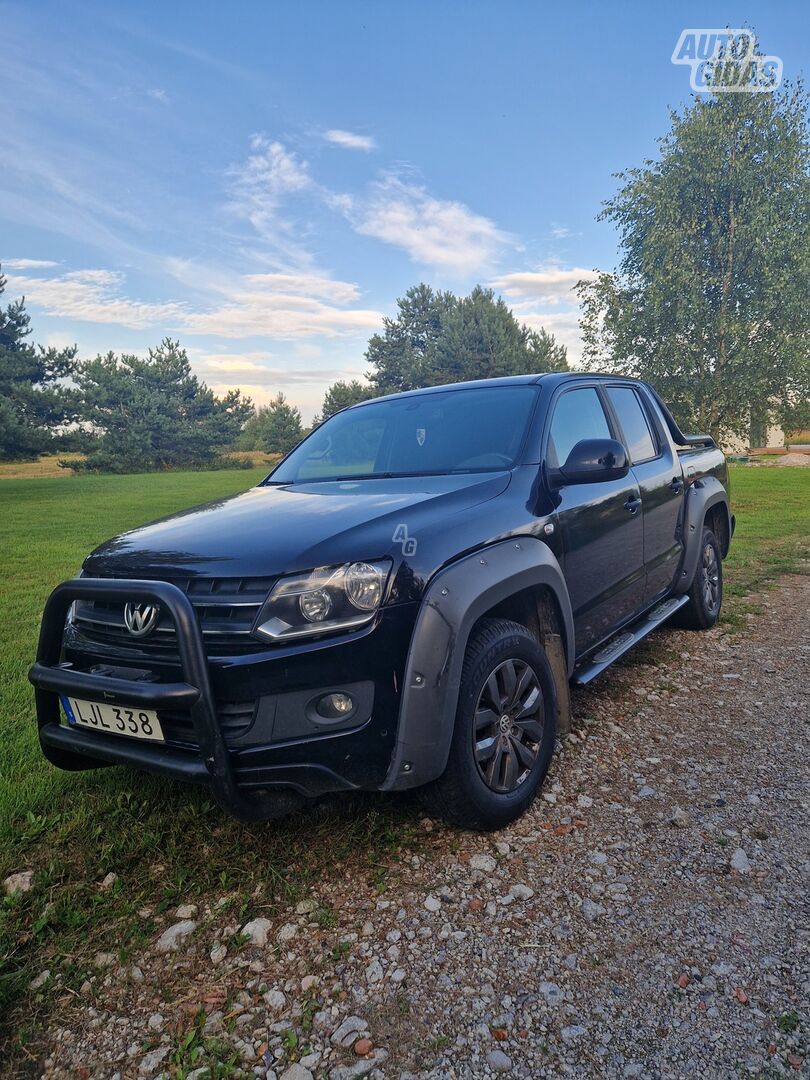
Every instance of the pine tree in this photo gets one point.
(274, 428)
(341, 395)
(153, 413)
(403, 357)
(482, 339)
(441, 338)
(33, 398)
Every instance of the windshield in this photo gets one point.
(455, 431)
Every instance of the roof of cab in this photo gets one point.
(549, 378)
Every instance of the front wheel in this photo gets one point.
(706, 593)
(504, 731)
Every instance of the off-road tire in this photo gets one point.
(706, 592)
(462, 796)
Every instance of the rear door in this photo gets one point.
(660, 480)
(600, 524)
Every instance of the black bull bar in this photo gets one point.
(72, 749)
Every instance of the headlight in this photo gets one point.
(364, 584)
(330, 598)
(70, 618)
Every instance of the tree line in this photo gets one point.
(137, 414)
(709, 302)
(435, 338)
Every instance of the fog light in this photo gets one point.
(334, 706)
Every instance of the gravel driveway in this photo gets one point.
(649, 917)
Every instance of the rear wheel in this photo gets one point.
(706, 593)
(504, 732)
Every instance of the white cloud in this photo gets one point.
(93, 296)
(528, 291)
(259, 185)
(308, 350)
(252, 311)
(340, 202)
(349, 140)
(29, 264)
(230, 364)
(157, 94)
(551, 285)
(270, 171)
(340, 292)
(57, 339)
(438, 233)
(285, 306)
(304, 389)
(559, 232)
(267, 377)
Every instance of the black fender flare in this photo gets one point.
(700, 498)
(455, 599)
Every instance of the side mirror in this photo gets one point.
(592, 460)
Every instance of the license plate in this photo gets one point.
(115, 719)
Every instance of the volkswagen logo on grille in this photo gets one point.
(141, 619)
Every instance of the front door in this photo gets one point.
(601, 526)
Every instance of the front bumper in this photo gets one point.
(245, 780)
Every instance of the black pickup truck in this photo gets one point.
(400, 604)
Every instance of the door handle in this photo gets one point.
(632, 504)
(676, 484)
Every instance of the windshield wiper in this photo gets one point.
(397, 475)
(370, 476)
(357, 476)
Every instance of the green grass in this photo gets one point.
(772, 507)
(46, 528)
(166, 842)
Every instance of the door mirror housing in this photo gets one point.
(595, 460)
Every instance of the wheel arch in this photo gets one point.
(536, 607)
(510, 579)
(706, 502)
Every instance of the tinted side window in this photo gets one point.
(578, 415)
(633, 421)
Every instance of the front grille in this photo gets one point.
(226, 610)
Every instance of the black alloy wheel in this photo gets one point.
(508, 725)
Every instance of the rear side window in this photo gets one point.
(633, 421)
(578, 415)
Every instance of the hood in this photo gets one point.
(272, 530)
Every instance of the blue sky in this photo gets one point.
(263, 180)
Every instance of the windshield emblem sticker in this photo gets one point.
(420, 436)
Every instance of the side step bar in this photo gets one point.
(626, 639)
